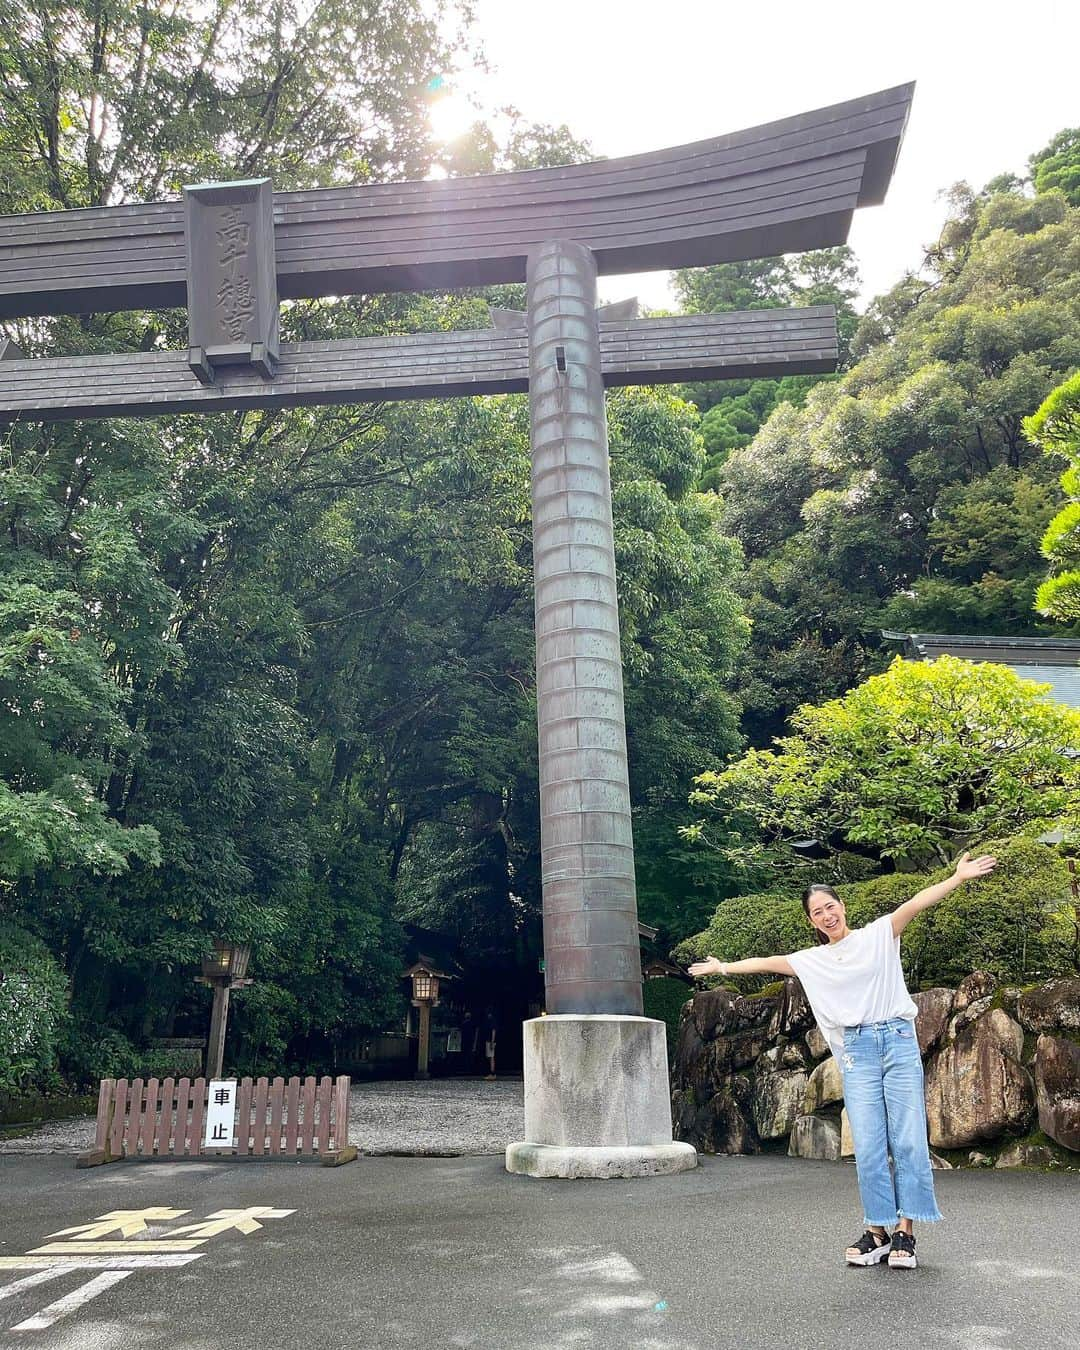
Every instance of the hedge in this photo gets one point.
(663, 999)
(1019, 922)
(33, 1009)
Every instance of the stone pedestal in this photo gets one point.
(597, 1100)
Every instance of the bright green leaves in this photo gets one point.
(918, 762)
(1057, 166)
(905, 494)
(1055, 427)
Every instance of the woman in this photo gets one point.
(856, 989)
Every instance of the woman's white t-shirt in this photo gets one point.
(858, 979)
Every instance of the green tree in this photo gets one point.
(155, 640)
(735, 410)
(906, 494)
(1057, 166)
(1055, 428)
(913, 764)
(306, 635)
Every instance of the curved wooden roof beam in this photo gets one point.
(783, 187)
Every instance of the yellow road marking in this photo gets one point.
(126, 1222)
(243, 1220)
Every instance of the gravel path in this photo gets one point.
(443, 1116)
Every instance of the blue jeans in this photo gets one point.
(883, 1093)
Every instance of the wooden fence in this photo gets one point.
(300, 1118)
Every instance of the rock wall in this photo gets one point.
(1002, 1066)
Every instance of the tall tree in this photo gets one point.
(735, 410)
(906, 494)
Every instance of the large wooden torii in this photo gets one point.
(595, 1070)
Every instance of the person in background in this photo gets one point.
(855, 986)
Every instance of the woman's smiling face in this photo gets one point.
(827, 914)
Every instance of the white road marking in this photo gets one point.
(77, 1248)
(73, 1301)
(39, 1277)
(32, 1262)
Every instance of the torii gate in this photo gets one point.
(596, 1085)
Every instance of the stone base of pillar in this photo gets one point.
(597, 1099)
(548, 1160)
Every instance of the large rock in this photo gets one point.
(976, 1087)
(1053, 1006)
(793, 1015)
(1057, 1089)
(847, 1139)
(742, 1048)
(815, 1137)
(825, 1085)
(756, 1011)
(684, 1110)
(777, 1100)
(935, 1007)
(712, 1011)
(816, 1043)
(979, 984)
(725, 1123)
(970, 1014)
(689, 1049)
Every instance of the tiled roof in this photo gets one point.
(1053, 661)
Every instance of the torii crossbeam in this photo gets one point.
(596, 1097)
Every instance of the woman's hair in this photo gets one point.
(806, 905)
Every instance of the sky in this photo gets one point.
(994, 83)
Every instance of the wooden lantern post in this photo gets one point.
(224, 969)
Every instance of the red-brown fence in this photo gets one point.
(301, 1118)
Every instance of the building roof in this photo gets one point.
(1053, 661)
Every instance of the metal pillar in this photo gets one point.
(591, 952)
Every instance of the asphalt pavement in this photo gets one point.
(394, 1252)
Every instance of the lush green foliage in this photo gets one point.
(905, 495)
(735, 410)
(269, 676)
(33, 1008)
(916, 763)
(1019, 922)
(1055, 427)
(663, 998)
(1057, 166)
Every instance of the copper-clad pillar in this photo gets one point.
(592, 956)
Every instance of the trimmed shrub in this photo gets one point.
(88, 1054)
(663, 999)
(1018, 923)
(33, 1007)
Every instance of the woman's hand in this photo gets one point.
(966, 869)
(710, 966)
(969, 867)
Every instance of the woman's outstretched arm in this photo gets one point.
(754, 965)
(966, 868)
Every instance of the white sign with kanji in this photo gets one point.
(220, 1114)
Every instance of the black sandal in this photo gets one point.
(872, 1248)
(902, 1252)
